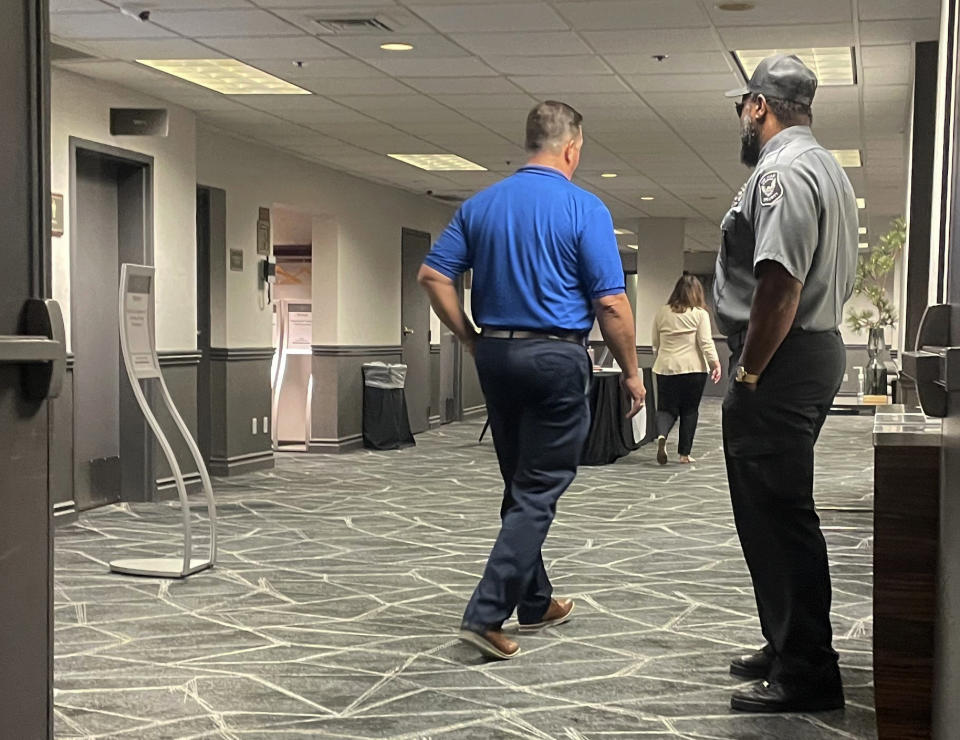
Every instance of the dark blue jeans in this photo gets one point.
(538, 406)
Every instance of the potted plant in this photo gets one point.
(873, 273)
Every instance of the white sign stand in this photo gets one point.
(139, 348)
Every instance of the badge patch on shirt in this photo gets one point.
(771, 191)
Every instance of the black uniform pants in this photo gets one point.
(537, 403)
(680, 396)
(769, 436)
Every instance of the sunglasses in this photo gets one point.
(743, 104)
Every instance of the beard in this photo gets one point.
(749, 143)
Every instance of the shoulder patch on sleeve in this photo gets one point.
(771, 189)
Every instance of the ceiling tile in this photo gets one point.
(683, 83)
(522, 16)
(788, 37)
(549, 65)
(509, 101)
(211, 23)
(77, 6)
(892, 32)
(164, 5)
(273, 47)
(318, 68)
(562, 86)
(102, 26)
(426, 46)
(882, 10)
(682, 63)
(356, 86)
(173, 48)
(462, 85)
(550, 43)
(661, 41)
(784, 13)
(629, 14)
(452, 67)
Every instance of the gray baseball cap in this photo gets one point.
(781, 76)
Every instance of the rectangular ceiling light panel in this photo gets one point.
(832, 65)
(226, 76)
(848, 157)
(439, 162)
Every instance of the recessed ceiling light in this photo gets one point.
(622, 232)
(861, 203)
(439, 162)
(848, 157)
(862, 231)
(833, 65)
(608, 174)
(646, 197)
(227, 76)
(393, 46)
(733, 6)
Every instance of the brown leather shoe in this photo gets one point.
(558, 612)
(492, 643)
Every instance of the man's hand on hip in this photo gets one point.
(633, 385)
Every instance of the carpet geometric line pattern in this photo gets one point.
(333, 609)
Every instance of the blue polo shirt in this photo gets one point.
(541, 249)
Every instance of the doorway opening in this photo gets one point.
(112, 219)
(292, 371)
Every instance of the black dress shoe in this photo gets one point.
(756, 665)
(775, 696)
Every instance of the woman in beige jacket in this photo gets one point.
(683, 341)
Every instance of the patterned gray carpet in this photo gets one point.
(341, 581)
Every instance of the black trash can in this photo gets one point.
(386, 425)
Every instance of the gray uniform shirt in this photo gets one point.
(798, 209)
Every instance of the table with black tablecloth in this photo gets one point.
(611, 433)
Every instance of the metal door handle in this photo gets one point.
(41, 351)
(407, 331)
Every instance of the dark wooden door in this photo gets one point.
(415, 330)
(25, 519)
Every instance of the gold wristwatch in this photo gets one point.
(743, 376)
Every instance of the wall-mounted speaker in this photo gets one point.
(138, 121)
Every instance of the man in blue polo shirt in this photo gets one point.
(545, 264)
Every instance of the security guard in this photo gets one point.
(545, 262)
(786, 267)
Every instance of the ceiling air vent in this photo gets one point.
(351, 25)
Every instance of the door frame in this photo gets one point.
(145, 163)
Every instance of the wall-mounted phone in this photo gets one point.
(266, 276)
(268, 271)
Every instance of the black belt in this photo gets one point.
(560, 336)
(736, 340)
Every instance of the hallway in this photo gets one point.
(341, 580)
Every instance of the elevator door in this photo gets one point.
(110, 230)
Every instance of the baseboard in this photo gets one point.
(336, 446)
(65, 513)
(166, 489)
(474, 411)
(237, 464)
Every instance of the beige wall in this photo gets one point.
(659, 264)
(365, 259)
(80, 108)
